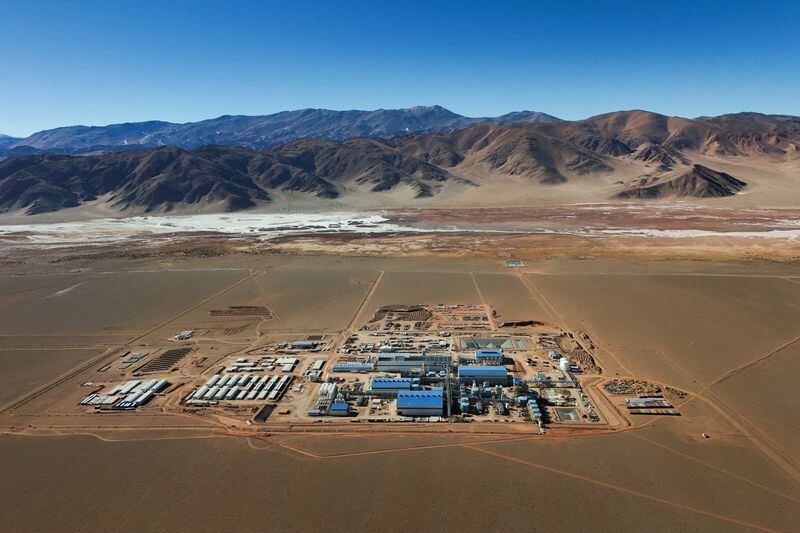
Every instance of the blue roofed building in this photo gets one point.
(390, 386)
(493, 374)
(420, 403)
(489, 357)
(339, 409)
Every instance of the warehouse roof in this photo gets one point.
(480, 354)
(493, 371)
(338, 406)
(390, 383)
(351, 365)
(304, 344)
(398, 356)
(422, 399)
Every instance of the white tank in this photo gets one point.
(563, 364)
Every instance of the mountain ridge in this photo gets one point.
(259, 131)
(629, 155)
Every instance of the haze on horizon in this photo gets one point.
(81, 63)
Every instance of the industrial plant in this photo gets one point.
(407, 364)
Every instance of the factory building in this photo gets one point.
(489, 357)
(420, 403)
(304, 345)
(339, 408)
(492, 374)
(352, 366)
(403, 363)
(409, 364)
(391, 386)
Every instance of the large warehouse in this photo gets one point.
(404, 363)
(489, 357)
(391, 386)
(420, 403)
(492, 374)
(352, 366)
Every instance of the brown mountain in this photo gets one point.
(699, 182)
(628, 154)
(507, 150)
(225, 178)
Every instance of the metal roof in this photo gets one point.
(390, 383)
(304, 344)
(420, 399)
(351, 365)
(482, 371)
(488, 353)
(398, 356)
(338, 406)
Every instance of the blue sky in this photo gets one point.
(87, 62)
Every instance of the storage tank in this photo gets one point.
(563, 364)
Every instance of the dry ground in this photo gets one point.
(723, 331)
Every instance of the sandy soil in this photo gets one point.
(292, 490)
(722, 331)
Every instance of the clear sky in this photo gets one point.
(100, 62)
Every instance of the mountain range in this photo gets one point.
(254, 131)
(626, 155)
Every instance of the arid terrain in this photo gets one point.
(698, 300)
(526, 159)
(399, 267)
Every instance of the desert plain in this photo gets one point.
(701, 300)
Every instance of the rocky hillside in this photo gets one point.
(229, 178)
(699, 182)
